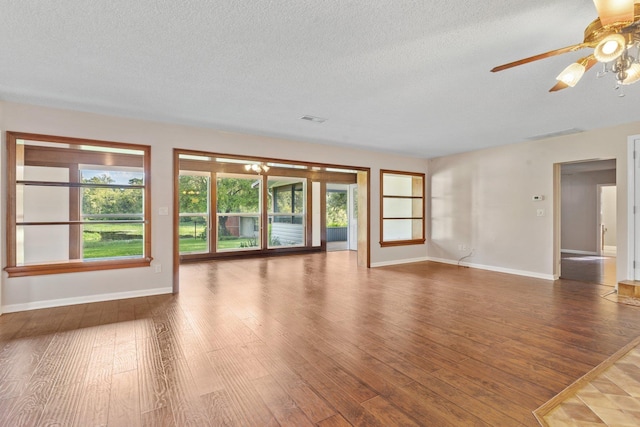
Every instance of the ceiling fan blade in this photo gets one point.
(614, 11)
(559, 86)
(540, 56)
(588, 62)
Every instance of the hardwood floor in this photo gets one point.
(311, 340)
(589, 268)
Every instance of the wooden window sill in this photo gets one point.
(403, 242)
(75, 266)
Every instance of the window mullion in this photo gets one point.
(75, 230)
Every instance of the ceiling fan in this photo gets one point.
(613, 36)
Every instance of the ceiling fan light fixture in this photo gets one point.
(633, 74)
(614, 11)
(572, 74)
(610, 48)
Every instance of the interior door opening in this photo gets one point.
(588, 221)
(339, 207)
(607, 244)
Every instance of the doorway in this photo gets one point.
(607, 244)
(588, 221)
(342, 217)
(337, 202)
(227, 206)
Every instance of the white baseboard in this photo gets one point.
(397, 262)
(468, 264)
(12, 308)
(571, 251)
(496, 269)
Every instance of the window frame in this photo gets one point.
(71, 265)
(259, 214)
(207, 215)
(226, 163)
(387, 196)
(273, 213)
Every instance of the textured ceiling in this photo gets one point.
(409, 77)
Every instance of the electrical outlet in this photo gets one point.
(157, 268)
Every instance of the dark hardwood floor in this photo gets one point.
(588, 268)
(311, 340)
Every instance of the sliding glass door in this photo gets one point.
(194, 219)
(287, 211)
(238, 201)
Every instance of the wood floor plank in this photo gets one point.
(126, 357)
(124, 404)
(335, 421)
(53, 366)
(61, 408)
(93, 407)
(218, 409)
(386, 413)
(315, 408)
(344, 403)
(6, 406)
(465, 401)
(152, 379)
(281, 405)
(12, 323)
(350, 384)
(28, 352)
(161, 417)
(510, 402)
(424, 405)
(183, 398)
(75, 362)
(247, 404)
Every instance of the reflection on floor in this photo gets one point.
(337, 246)
(589, 268)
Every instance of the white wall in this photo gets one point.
(580, 217)
(482, 199)
(608, 201)
(60, 289)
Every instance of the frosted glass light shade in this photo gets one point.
(610, 48)
(614, 11)
(633, 74)
(572, 74)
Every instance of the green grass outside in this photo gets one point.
(189, 244)
(112, 249)
(95, 247)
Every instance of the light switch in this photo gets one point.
(540, 212)
(163, 211)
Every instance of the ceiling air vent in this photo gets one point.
(313, 119)
(554, 134)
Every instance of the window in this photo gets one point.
(233, 206)
(194, 202)
(287, 200)
(238, 212)
(401, 208)
(76, 205)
